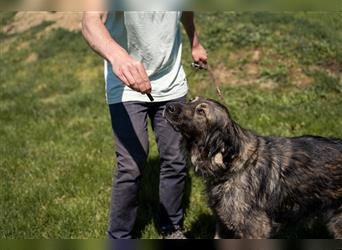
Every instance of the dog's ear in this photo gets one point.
(221, 141)
(233, 140)
(214, 143)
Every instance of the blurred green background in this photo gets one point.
(280, 74)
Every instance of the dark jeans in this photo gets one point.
(129, 122)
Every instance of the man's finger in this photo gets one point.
(146, 84)
(132, 84)
(123, 78)
(146, 88)
(200, 64)
(137, 78)
(204, 64)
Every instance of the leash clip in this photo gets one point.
(197, 65)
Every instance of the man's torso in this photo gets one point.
(154, 39)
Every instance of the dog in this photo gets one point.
(256, 185)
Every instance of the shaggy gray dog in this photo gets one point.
(255, 184)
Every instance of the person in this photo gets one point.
(142, 52)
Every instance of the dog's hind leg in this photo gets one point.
(335, 225)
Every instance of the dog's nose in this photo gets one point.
(170, 108)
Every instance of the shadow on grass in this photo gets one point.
(314, 230)
(149, 197)
(202, 228)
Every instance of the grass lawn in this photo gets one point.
(280, 75)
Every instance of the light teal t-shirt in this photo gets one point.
(153, 38)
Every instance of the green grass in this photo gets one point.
(56, 150)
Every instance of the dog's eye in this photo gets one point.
(200, 111)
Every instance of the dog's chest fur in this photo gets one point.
(227, 193)
(236, 202)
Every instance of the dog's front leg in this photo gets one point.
(256, 226)
(222, 232)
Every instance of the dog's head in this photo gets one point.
(210, 134)
(198, 117)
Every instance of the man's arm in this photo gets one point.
(199, 54)
(130, 71)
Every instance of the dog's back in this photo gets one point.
(310, 173)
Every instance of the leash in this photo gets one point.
(206, 67)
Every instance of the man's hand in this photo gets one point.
(199, 55)
(131, 72)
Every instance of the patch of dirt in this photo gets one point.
(26, 20)
(225, 75)
(245, 67)
(334, 67)
(267, 84)
(33, 57)
(298, 78)
(256, 56)
(23, 46)
(252, 69)
(239, 55)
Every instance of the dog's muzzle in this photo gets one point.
(170, 108)
(171, 113)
